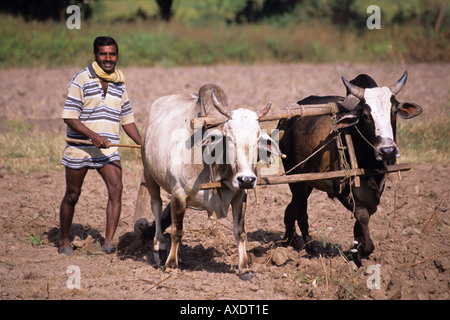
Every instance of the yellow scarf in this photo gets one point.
(116, 77)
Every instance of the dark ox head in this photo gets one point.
(375, 109)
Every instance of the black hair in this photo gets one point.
(105, 41)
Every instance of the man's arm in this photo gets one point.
(132, 131)
(78, 126)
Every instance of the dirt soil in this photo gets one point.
(410, 230)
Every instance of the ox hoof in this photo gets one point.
(361, 251)
(355, 256)
(171, 270)
(364, 249)
(309, 248)
(160, 257)
(171, 265)
(367, 249)
(140, 225)
(68, 251)
(108, 248)
(247, 276)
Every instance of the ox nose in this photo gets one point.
(246, 182)
(388, 153)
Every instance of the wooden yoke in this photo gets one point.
(274, 114)
(352, 155)
(303, 177)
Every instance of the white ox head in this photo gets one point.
(242, 141)
(376, 108)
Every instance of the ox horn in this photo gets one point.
(219, 106)
(353, 89)
(396, 87)
(264, 111)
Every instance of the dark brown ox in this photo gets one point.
(369, 115)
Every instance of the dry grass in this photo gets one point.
(22, 151)
(425, 141)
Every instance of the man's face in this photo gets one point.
(106, 58)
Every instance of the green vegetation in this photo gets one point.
(237, 31)
(35, 241)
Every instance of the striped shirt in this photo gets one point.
(101, 113)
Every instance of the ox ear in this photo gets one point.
(350, 102)
(408, 110)
(212, 137)
(348, 120)
(268, 146)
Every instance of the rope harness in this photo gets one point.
(343, 161)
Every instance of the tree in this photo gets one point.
(165, 9)
(42, 9)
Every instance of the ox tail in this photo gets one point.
(148, 233)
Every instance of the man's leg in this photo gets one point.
(112, 175)
(74, 182)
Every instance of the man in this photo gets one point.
(96, 105)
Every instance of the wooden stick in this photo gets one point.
(111, 145)
(273, 114)
(412, 265)
(302, 177)
(352, 155)
(399, 175)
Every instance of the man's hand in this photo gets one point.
(100, 142)
(97, 140)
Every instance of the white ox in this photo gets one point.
(170, 159)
